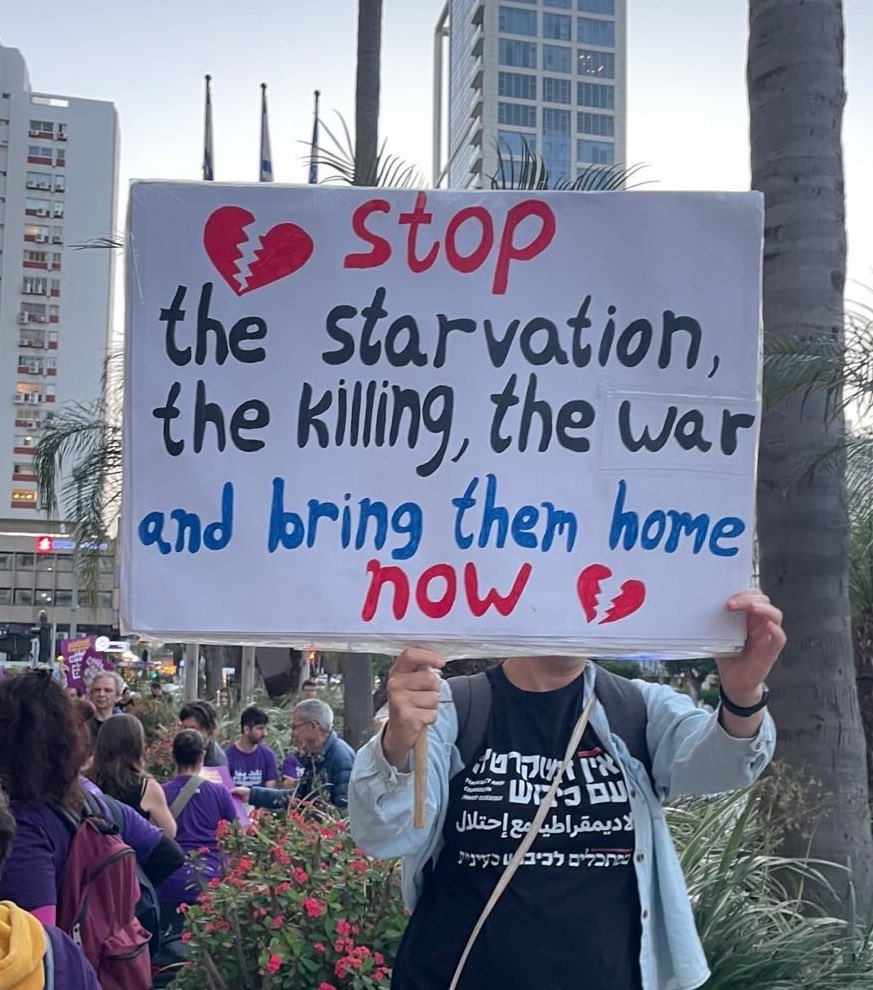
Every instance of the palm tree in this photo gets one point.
(796, 96)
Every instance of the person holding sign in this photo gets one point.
(597, 883)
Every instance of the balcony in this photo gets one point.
(30, 369)
(34, 289)
(25, 318)
(33, 184)
(32, 341)
(34, 133)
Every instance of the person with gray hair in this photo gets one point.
(104, 690)
(327, 761)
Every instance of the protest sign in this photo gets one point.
(489, 422)
(80, 660)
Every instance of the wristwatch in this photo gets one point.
(739, 710)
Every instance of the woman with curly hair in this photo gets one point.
(42, 748)
(118, 770)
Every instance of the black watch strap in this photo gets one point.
(739, 710)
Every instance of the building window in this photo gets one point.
(104, 599)
(56, 259)
(515, 21)
(60, 183)
(556, 121)
(42, 128)
(23, 596)
(517, 114)
(513, 142)
(563, 4)
(596, 152)
(602, 124)
(24, 561)
(35, 259)
(61, 158)
(63, 599)
(517, 85)
(597, 6)
(23, 498)
(38, 180)
(5, 596)
(594, 32)
(557, 58)
(601, 97)
(44, 597)
(521, 54)
(557, 26)
(592, 63)
(57, 209)
(556, 90)
(39, 151)
(5, 561)
(36, 233)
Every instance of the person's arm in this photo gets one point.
(697, 752)
(266, 797)
(154, 801)
(380, 793)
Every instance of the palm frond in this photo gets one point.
(529, 171)
(338, 155)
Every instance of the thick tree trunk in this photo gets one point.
(367, 86)
(357, 697)
(796, 97)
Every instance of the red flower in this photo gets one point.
(319, 946)
(282, 888)
(277, 922)
(359, 865)
(324, 985)
(341, 970)
(273, 963)
(299, 875)
(313, 907)
(343, 927)
(378, 958)
(186, 936)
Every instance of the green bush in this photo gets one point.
(299, 906)
(758, 929)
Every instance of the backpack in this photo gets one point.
(622, 699)
(99, 892)
(148, 909)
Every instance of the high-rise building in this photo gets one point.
(549, 74)
(58, 184)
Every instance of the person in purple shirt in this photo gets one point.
(29, 950)
(198, 806)
(42, 746)
(251, 763)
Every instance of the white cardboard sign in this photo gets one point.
(489, 422)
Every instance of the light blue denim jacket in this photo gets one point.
(691, 754)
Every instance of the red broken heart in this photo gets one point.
(630, 597)
(283, 250)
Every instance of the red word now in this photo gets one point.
(437, 589)
(479, 237)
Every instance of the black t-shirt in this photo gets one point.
(571, 914)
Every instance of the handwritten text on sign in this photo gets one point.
(482, 420)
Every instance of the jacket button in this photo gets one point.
(633, 792)
(640, 857)
(645, 914)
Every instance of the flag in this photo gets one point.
(208, 173)
(266, 167)
(313, 152)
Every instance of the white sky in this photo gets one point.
(687, 112)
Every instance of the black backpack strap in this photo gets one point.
(626, 713)
(472, 697)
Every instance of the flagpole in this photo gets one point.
(208, 168)
(265, 166)
(313, 151)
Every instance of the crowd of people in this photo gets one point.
(74, 768)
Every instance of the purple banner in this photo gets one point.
(79, 659)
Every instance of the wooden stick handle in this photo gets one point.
(419, 780)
